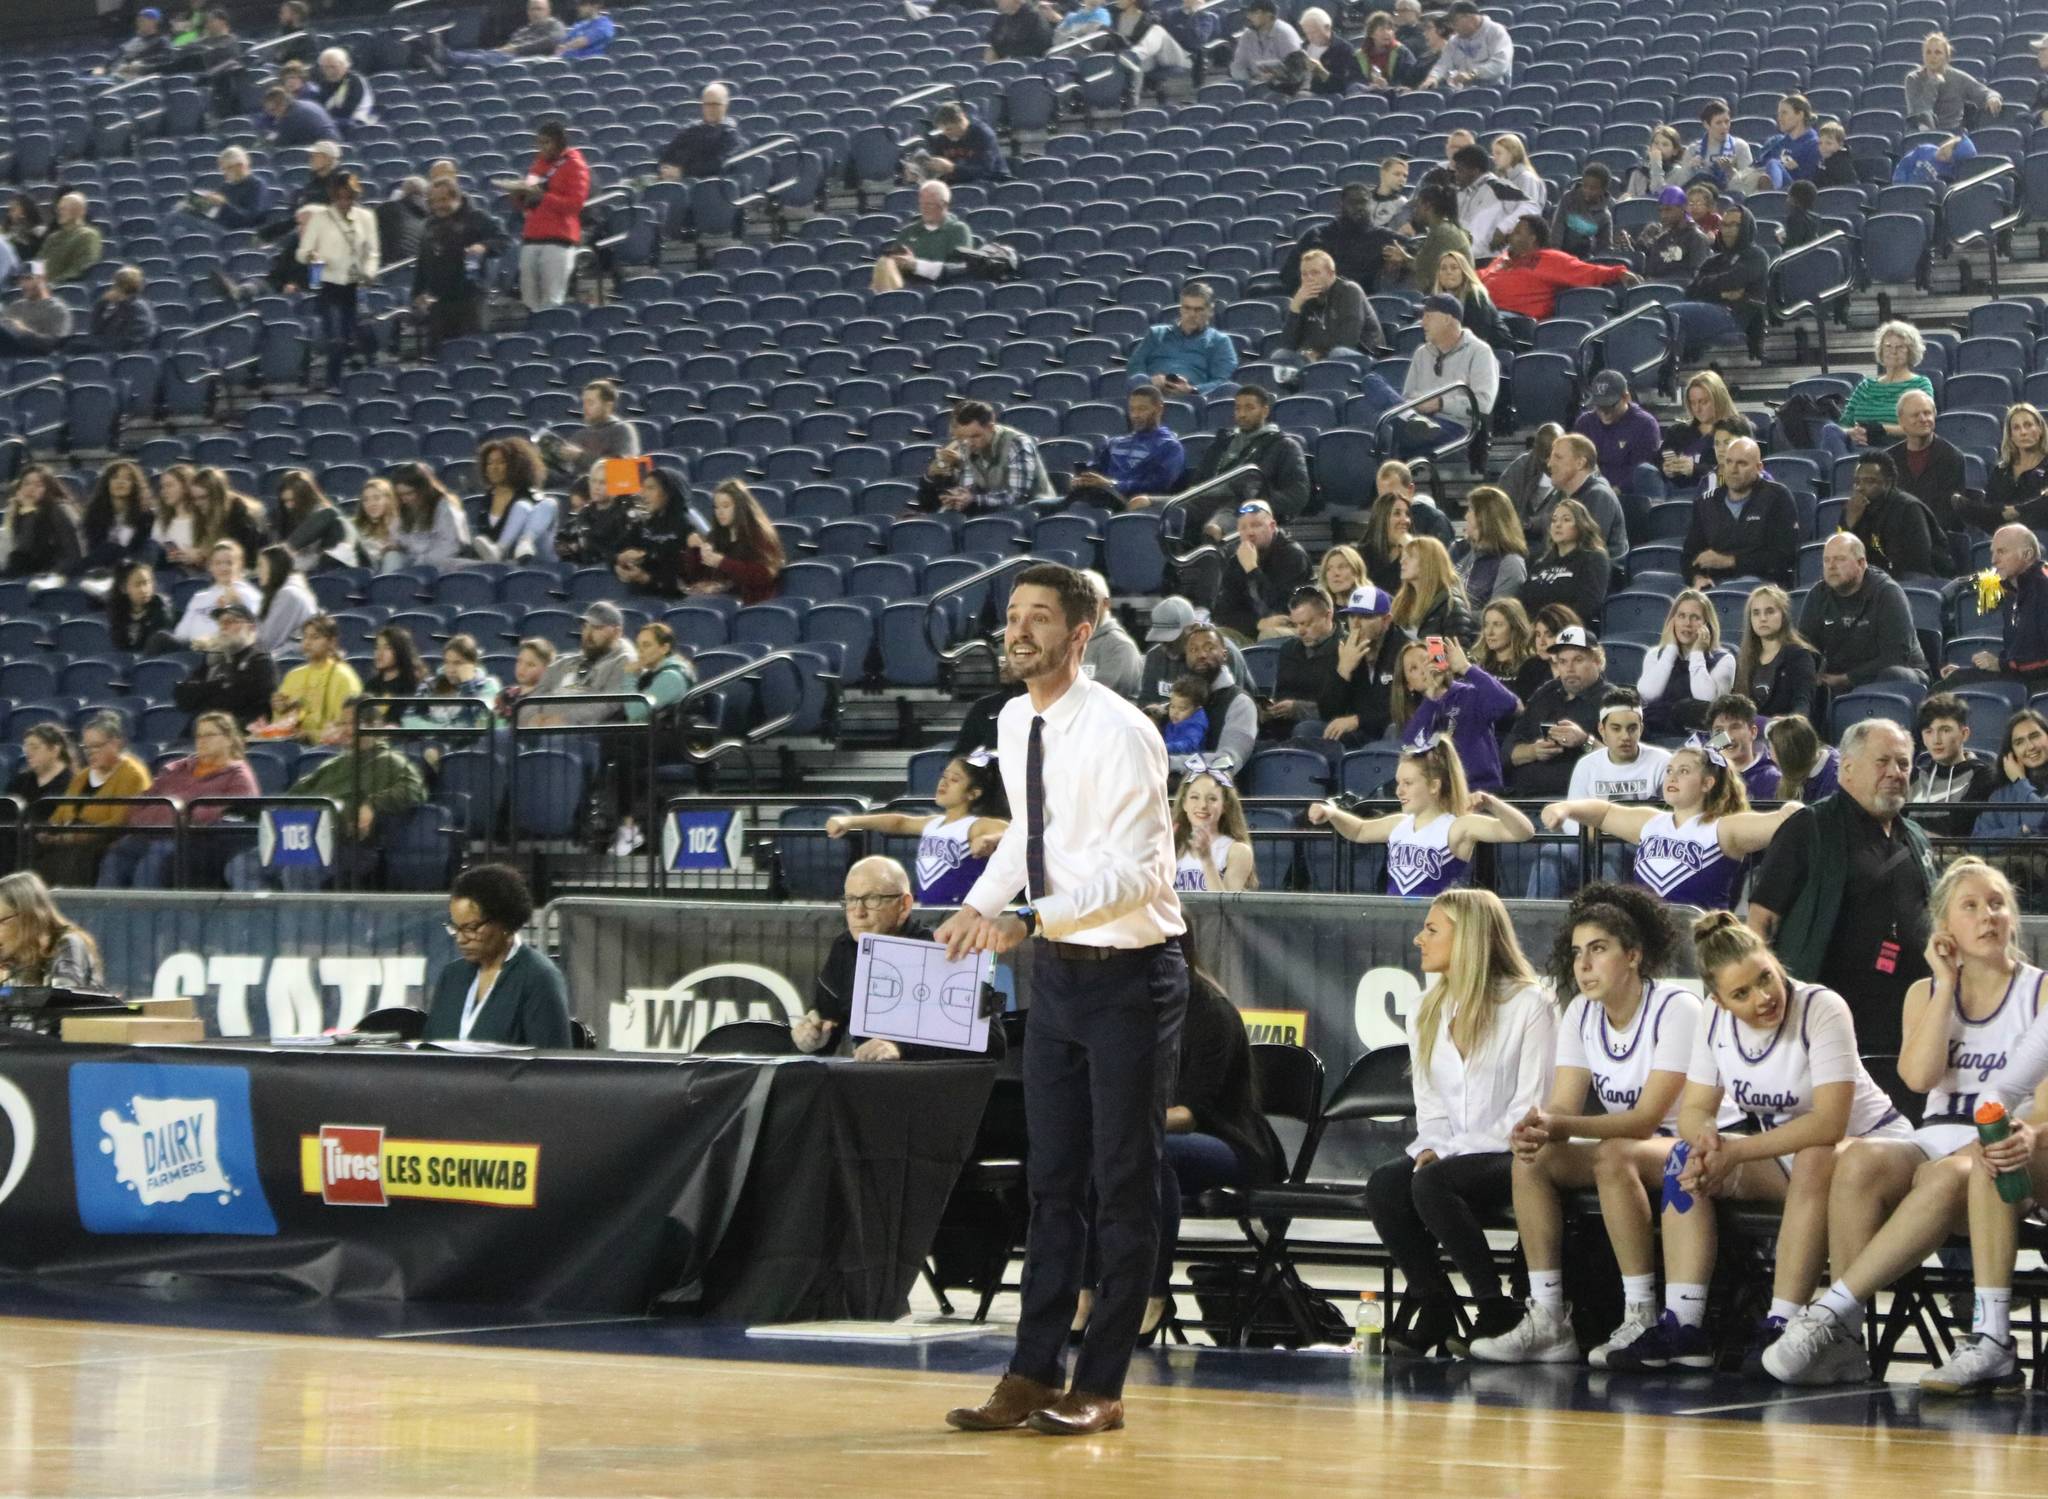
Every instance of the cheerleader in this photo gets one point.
(1211, 842)
(1896, 1202)
(1785, 1053)
(1690, 851)
(1480, 1049)
(1430, 841)
(1626, 1038)
(953, 846)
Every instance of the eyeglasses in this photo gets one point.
(870, 902)
(467, 929)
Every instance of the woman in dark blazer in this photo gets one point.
(499, 989)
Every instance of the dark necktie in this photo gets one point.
(1034, 812)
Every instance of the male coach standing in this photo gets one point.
(1094, 852)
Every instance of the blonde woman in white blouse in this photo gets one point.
(340, 237)
(1511, 163)
(1481, 1045)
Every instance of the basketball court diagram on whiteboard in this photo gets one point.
(908, 990)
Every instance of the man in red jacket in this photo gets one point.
(1528, 278)
(553, 193)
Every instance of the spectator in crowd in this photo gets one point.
(40, 535)
(1020, 32)
(110, 771)
(35, 322)
(1397, 512)
(499, 990)
(1360, 707)
(1689, 452)
(1333, 66)
(1793, 154)
(1583, 224)
(138, 618)
(1719, 154)
(1149, 49)
(1575, 567)
(238, 674)
(513, 520)
(1259, 576)
(989, 465)
(142, 52)
(225, 566)
(651, 557)
(309, 701)
(462, 691)
(1732, 722)
(1659, 169)
(1328, 316)
(1775, 666)
(1622, 769)
(1748, 527)
(396, 669)
(1450, 353)
(1673, 247)
(1871, 417)
(1488, 206)
(1112, 657)
(2021, 782)
(1435, 214)
(1930, 466)
(1492, 557)
(242, 201)
(1703, 207)
(1355, 242)
(216, 768)
(1265, 47)
(402, 219)
(122, 319)
(1479, 51)
(552, 195)
(541, 36)
(604, 433)
(742, 554)
(1529, 276)
(432, 529)
(1624, 434)
(369, 782)
(1728, 293)
(1456, 278)
(1860, 621)
(931, 247)
(592, 34)
(1574, 475)
(2021, 596)
(1386, 59)
(1507, 647)
(25, 226)
(1190, 356)
(962, 150)
(1941, 96)
(1457, 700)
(287, 602)
(343, 92)
(215, 55)
(2014, 488)
(376, 524)
(1430, 600)
(1340, 571)
(596, 524)
(48, 762)
(1305, 669)
(955, 841)
(1896, 530)
(534, 657)
(1870, 948)
(702, 147)
(1511, 164)
(1560, 718)
(1837, 169)
(340, 238)
(224, 513)
(1807, 769)
(297, 122)
(1948, 770)
(448, 288)
(1688, 668)
(1233, 713)
(1172, 620)
(1146, 460)
(1526, 479)
(1254, 439)
(604, 665)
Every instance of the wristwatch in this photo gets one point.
(1029, 916)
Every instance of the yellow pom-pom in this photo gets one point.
(1990, 590)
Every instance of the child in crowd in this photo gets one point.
(1187, 722)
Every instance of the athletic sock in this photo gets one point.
(1639, 1290)
(1782, 1309)
(1844, 1305)
(1546, 1289)
(1686, 1302)
(1993, 1314)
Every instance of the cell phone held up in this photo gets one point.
(1439, 657)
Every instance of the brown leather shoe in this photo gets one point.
(1014, 1400)
(1076, 1414)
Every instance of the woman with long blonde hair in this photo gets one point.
(1431, 600)
(39, 945)
(1511, 164)
(1688, 667)
(1689, 443)
(2013, 489)
(1341, 571)
(1456, 277)
(1776, 668)
(1480, 1044)
(1492, 559)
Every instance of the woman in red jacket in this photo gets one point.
(553, 193)
(742, 555)
(1528, 278)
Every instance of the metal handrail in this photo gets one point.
(1818, 304)
(1402, 408)
(974, 642)
(226, 322)
(1201, 491)
(755, 735)
(55, 377)
(1644, 310)
(918, 96)
(255, 48)
(768, 147)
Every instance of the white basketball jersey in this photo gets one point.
(1658, 1039)
(1771, 1074)
(1979, 1049)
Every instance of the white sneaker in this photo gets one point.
(1816, 1349)
(1979, 1367)
(1541, 1337)
(1637, 1321)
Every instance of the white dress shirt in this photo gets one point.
(1467, 1105)
(1108, 828)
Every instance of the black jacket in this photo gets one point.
(1552, 704)
(133, 631)
(1578, 580)
(2002, 488)
(1764, 542)
(46, 541)
(1860, 635)
(700, 149)
(1450, 615)
(239, 683)
(1745, 269)
(1355, 246)
(1367, 695)
(1785, 685)
(441, 270)
(1899, 535)
(1283, 470)
(1939, 487)
(1025, 34)
(1341, 71)
(1245, 598)
(1672, 254)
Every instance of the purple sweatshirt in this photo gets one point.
(1468, 712)
(1635, 438)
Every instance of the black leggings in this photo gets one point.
(1423, 1214)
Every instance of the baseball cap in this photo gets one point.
(1265, 5)
(1608, 389)
(601, 613)
(1368, 601)
(233, 610)
(1673, 196)
(1250, 507)
(151, 14)
(1444, 303)
(1574, 638)
(1170, 620)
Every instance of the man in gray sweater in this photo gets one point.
(36, 322)
(1860, 621)
(605, 664)
(1448, 355)
(1112, 657)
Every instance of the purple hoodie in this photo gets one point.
(1468, 712)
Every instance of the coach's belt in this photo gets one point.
(1075, 952)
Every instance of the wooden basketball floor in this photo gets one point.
(612, 1408)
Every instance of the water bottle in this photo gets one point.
(1992, 1126)
(1369, 1325)
(315, 272)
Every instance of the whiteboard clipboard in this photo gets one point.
(908, 990)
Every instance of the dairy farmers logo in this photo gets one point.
(21, 1123)
(356, 1165)
(165, 1150)
(677, 1018)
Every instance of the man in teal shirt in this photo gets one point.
(1188, 357)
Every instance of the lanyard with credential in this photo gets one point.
(473, 1004)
